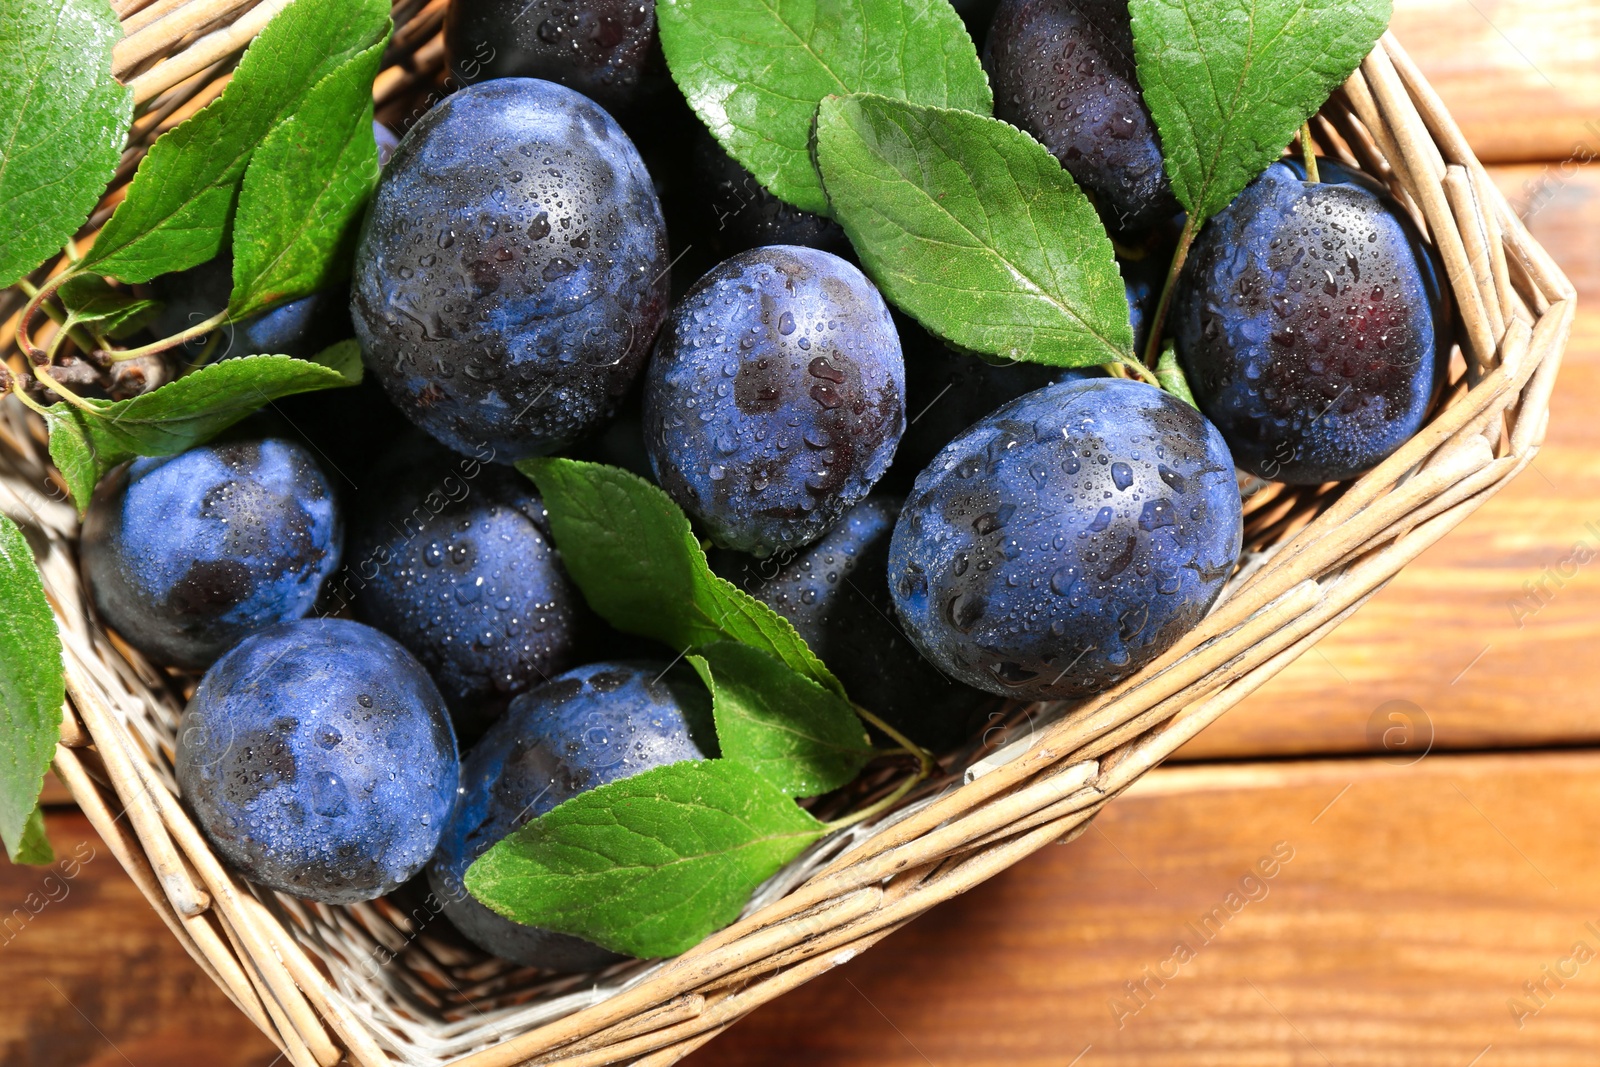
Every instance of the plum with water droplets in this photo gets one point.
(318, 760)
(605, 49)
(592, 725)
(188, 554)
(1067, 539)
(453, 559)
(775, 398)
(1064, 71)
(947, 391)
(512, 271)
(1312, 325)
(836, 593)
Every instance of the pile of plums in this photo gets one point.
(364, 579)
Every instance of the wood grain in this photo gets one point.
(1417, 901)
(93, 978)
(1522, 77)
(1487, 661)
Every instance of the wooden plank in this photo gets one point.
(1489, 635)
(93, 978)
(1416, 903)
(1520, 76)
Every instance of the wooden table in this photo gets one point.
(1432, 903)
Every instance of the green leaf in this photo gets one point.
(1230, 81)
(87, 442)
(972, 227)
(181, 200)
(32, 691)
(74, 456)
(630, 549)
(35, 847)
(63, 120)
(755, 70)
(304, 192)
(113, 312)
(1170, 376)
(648, 865)
(800, 737)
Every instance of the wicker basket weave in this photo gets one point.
(380, 984)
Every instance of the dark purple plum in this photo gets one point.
(592, 725)
(299, 328)
(511, 273)
(187, 555)
(737, 214)
(604, 49)
(346, 428)
(1067, 539)
(318, 760)
(1312, 325)
(775, 397)
(1141, 281)
(836, 593)
(454, 561)
(1063, 70)
(948, 390)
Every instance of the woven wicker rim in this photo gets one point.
(379, 986)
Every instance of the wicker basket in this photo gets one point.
(385, 982)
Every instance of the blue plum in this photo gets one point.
(1312, 325)
(737, 213)
(1067, 539)
(605, 49)
(299, 328)
(1141, 281)
(187, 555)
(1064, 71)
(775, 398)
(348, 429)
(460, 570)
(593, 725)
(318, 759)
(947, 391)
(836, 593)
(512, 271)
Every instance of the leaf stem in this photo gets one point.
(208, 350)
(1308, 149)
(926, 766)
(197, 330)
(877, 807)
(36, 299)
(1132, 368)
(21, 393)
(924, 757)
(83, 338)
(1158, 321)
